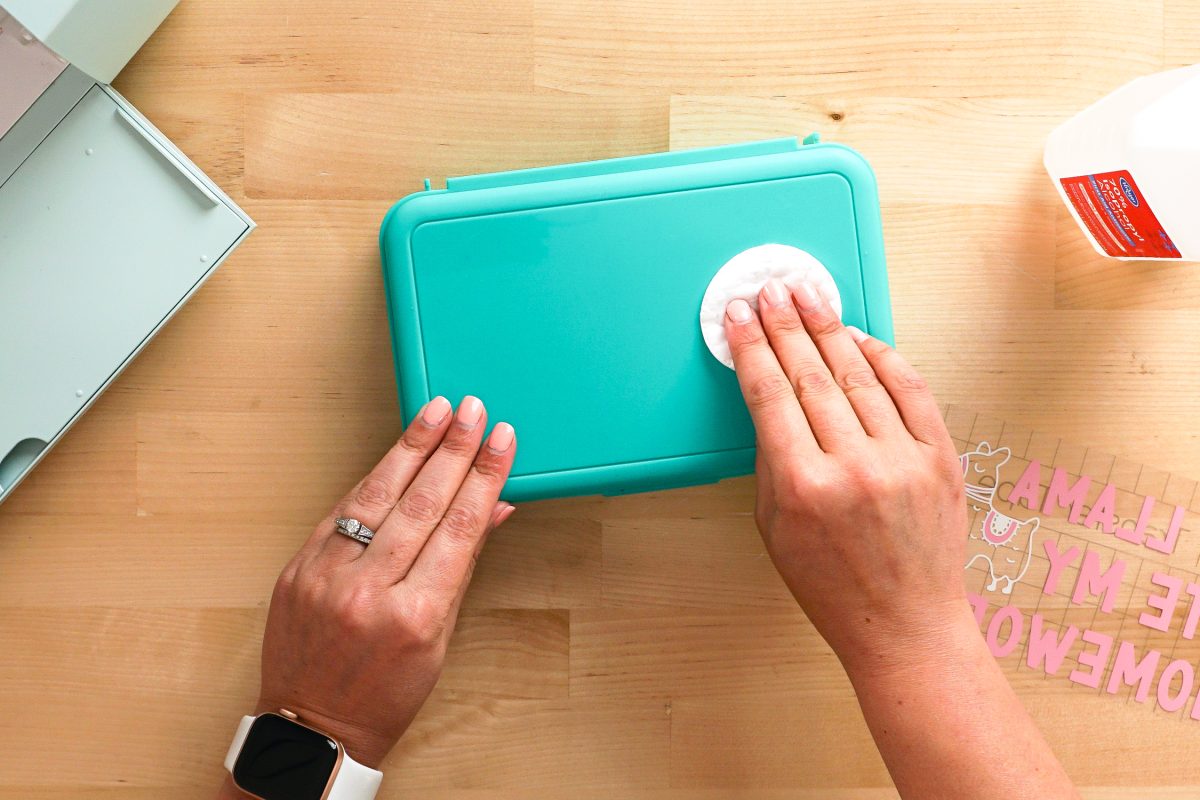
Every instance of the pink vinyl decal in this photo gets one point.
(998, 528)
(1010, 539)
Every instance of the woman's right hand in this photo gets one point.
(860, 493)
(861, 506)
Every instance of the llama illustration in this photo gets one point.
(1010, 540)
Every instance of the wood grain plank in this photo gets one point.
(216, 462)
(303, 45)
(533, 744)
(170, 682)
(984, 151)
(708, 563)
(815, 739)
(1181, 33)
(538, 562)
(508, 654)
(90, 470)
(698, 652)
(946, 48)
(384, 145)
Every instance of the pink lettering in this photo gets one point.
(1028, 487)
(1095, 661)
(1092, 582)
(1016, 626)
(1164, 603)
(1193, 617)
(1166, 701)
(1126, 671)
(1167, 544)
(1046, 650)
(1104, 510)
(1060, 495)
(1058, 562)
(1138, 534)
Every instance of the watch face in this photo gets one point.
(283, 760)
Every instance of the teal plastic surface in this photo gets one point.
(568, 299)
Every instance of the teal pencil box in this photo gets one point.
(568, 298)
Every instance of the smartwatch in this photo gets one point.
(276, 757)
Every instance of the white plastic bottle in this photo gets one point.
(1128, 167)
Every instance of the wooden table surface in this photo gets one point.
(639, 647)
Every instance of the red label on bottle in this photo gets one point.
(1119, 216)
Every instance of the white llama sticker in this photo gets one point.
(1010, 540)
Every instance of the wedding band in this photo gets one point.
(354, 529)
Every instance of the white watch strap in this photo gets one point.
(353, 781)
(239, 739)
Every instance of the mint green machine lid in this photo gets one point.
(568, 299)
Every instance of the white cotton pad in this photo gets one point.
(744, 275)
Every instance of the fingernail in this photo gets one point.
(503, 515)
(856, 334)
(739, 311)
(435, 411)
(808, 297)
(501, 438)
(470, 411)
(775, 292)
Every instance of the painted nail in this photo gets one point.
(503, 515)
(739, 311)
(775, 292)
(501, 438)
(808, 297)
(435, 411)
(470, 411)
(856, 334)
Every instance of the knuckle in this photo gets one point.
(489, 466)
(858, 378)
(375, 492)
(813, 380)
(791, 490)
(420, 505)
(873, 480)
(423, 624)
(288, 582)
(744, 337)
(875, 348)
(824, 324)
(767, 390)
(353, 608)
(461, 444)
(411, 442)
(910, 380)
(784, 320)
(462, 522)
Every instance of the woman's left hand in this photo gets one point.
(356, 634)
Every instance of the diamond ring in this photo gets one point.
(354, 529)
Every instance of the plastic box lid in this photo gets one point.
(568, 298)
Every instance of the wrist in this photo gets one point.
(907, 646)
(364, 746)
